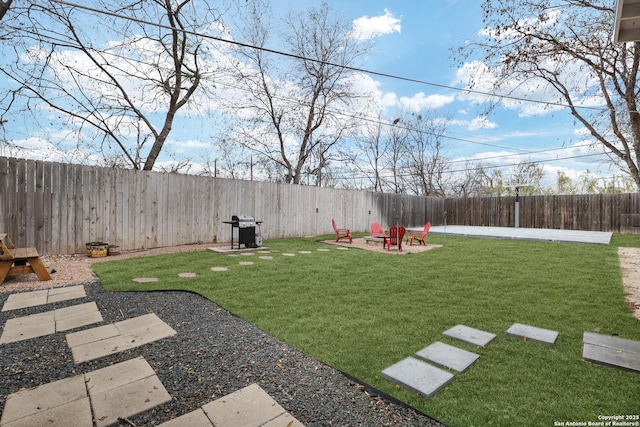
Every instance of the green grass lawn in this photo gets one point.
(361, 311)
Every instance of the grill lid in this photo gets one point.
(242, 218)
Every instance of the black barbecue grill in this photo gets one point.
(243, 231)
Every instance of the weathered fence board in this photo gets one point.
(59, 207)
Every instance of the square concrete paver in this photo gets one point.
(129, 399)
(43, 398)
(532, 333)
(250, 407)
(470, 335)
(448, 356)
(611, 351)
(418, 376)
(99, 342)
(124, 389)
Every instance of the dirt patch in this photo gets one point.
(630, 267)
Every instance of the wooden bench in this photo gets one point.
(15, 261)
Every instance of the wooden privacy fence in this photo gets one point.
(618, 213)
(58, 208)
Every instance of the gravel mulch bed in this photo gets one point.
(213, 354)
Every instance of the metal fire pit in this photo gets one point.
(243, 231)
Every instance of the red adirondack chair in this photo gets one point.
(341, 233)
(422, 235)
(396, 234)
(376, 230)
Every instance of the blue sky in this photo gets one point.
(413, 40)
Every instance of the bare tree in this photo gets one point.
(565, 47)
(4, 8)
(372, 148)
(471, 182)
(423, 155)
(293, 110)
(119, 78)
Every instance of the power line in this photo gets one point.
(346, 67)
(365, 71)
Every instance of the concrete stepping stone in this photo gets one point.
(246, 263)
(187, 275)
(25, 299)
(284, 254)
(448, 356)
(50, 322)
(418, 376)
(324, 250)
(342, 248)
(146, 279)
(44, 296)
(123, 390)
(219, 269)
(251, 407)
(304, 252)
(119, 390)
(60, 403)
(104, 340)
(611, 351)
(27, 327)
(469, 335)
(267, 257)
(532, 333)
(65, 293)
(77, 315)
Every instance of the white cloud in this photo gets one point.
(366, 28)
(531, 97)
(481, 123)
(420, 101)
